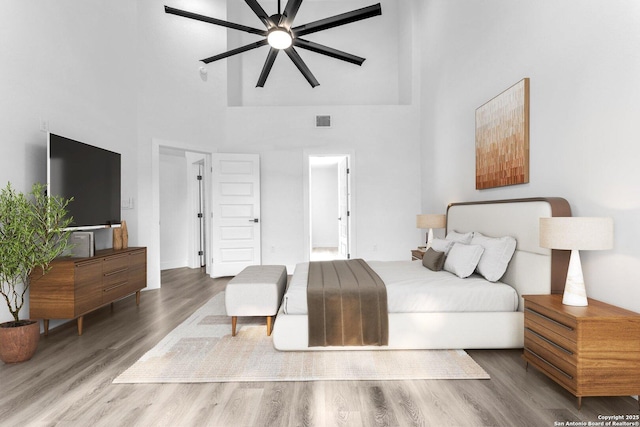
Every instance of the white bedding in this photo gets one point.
(412, 288)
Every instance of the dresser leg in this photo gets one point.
(234, 321)
(579, 402)
(138, 298)
(269, 325)
(45, 323)
(80, 322)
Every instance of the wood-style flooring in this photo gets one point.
(68, 383)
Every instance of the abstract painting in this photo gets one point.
(502, 138)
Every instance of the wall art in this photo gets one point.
(502, 138)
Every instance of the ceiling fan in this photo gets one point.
(282, 35)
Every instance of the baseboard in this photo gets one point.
(168, 265)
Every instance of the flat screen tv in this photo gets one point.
(90, 175)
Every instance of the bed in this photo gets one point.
(496, 318)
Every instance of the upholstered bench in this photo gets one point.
(256, 291)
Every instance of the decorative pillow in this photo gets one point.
(460, 237)
(463, 259)
(441, 245)
(497, 254)
(433, 260)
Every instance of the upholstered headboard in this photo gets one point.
(532, 270)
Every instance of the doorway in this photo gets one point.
(329, 207)
(183, 204)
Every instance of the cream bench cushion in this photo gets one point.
(255, 291)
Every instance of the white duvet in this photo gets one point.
(412, 288)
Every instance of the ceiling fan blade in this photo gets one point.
(214, 21)
(336, 21)
(306, 72)
(235, 51)
(290, 12)
(329, 51)
(259, 11)
(273, 53)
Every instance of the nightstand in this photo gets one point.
(416, 254)
(590, 351)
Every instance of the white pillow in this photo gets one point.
(497, 254)
(463, 259)
(460, 237)
(441, 245)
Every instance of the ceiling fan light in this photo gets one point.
(279, 38)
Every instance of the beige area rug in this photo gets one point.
(202, 350)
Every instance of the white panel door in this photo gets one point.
(344, 219)
(236, 213)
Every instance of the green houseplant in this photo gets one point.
(32, 234)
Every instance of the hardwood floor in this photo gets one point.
(68, 383)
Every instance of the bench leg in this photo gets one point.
(234, 321)
(269, 325)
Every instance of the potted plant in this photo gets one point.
(32, 234)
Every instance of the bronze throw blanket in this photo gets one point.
(347, 304)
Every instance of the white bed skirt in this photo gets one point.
(418, 331)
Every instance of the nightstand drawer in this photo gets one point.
(566, 379)
(547, 321)
(541, 328)
(555, 354)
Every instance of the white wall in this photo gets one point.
(69, 64)
(583, 60)
(324, 206)
(384, 142)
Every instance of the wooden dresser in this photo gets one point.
(590, 351)
(74, 287)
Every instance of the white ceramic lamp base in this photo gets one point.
(574, 290)
(429, 237)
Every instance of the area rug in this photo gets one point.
(201, 350)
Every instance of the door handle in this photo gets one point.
(254, 220)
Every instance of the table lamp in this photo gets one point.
(575, 234)
(431, 221)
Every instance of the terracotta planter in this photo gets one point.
(18, 343)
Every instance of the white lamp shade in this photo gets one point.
(582, 233)
(575, 234)
(431, 221)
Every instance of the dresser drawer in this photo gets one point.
(115, 290)
(115, 264)
(117, 276)
(138, 259)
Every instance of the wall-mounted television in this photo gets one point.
(90, 175)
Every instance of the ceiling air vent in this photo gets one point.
(323, 121)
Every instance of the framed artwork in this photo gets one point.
(502, 138)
